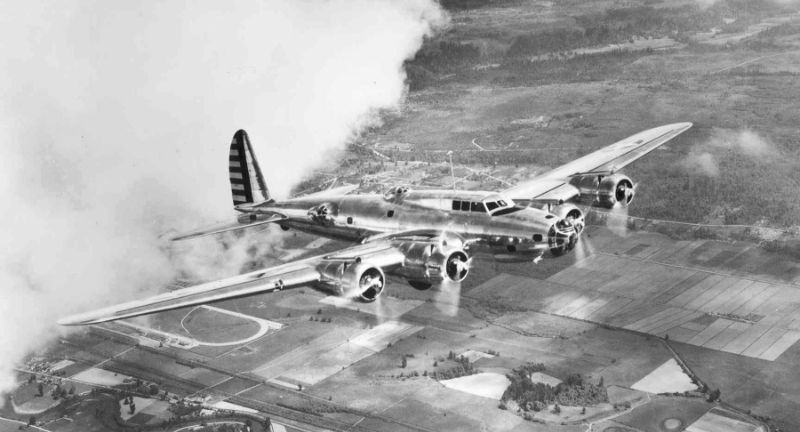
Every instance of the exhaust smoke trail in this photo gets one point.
(115, 118)
(703, 158)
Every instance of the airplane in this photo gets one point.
(424, 236)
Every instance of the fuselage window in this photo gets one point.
(349, 220)
(491, 205)
(478, 207)
(464, 205)
(456, 205)
(390, 213)
(537, 237)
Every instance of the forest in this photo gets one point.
(575, 390)
(440, 56)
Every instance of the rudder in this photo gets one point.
(247, 182)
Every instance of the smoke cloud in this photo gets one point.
(703, 158)
(115, 118)
(702, 163)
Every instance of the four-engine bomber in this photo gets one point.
(424, 236)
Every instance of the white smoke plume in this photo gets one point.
(745, 141)
(115, 119)
(703, 158)
(702, 163)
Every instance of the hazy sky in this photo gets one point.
(115, 119)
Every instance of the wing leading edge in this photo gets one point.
(553, 185)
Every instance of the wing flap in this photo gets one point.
(558, 195)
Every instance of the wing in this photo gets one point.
(321, 268)
(263, 220)
(553, 185)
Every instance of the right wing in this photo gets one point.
(321, 268)
(553, 186)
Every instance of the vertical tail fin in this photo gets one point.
(247, 182)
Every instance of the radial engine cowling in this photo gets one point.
(428, 263)
(610, 191)
(354, 279)
(571, 214)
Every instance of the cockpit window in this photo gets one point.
(499, 205)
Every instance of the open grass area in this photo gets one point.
(215, 326)
(653, 416)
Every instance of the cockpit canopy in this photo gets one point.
(497, 204)
(494, 205)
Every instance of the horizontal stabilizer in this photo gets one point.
(227, 227)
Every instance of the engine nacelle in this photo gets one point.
(354, 279)
(610, 191)
(428, 263)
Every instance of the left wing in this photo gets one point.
(360, 267)
(554, 185)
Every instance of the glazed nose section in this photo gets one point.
(562, 237)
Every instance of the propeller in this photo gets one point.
(624, 193)
(370, 285)
(457, 266)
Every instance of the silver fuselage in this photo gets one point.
(512, 228)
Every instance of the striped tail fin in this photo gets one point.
(247, 182)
